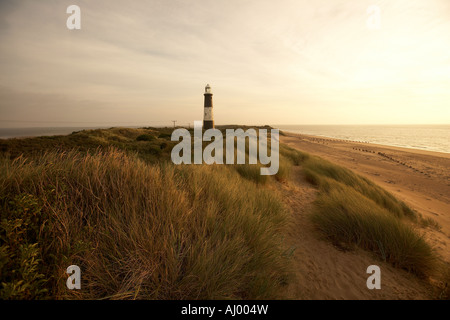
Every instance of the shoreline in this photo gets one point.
(419, 178)
(400, 148)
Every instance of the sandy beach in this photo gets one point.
(420, 178)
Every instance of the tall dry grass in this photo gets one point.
(141, 231)
(345, 215)
(353, 210)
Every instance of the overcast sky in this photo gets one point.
(268, 62)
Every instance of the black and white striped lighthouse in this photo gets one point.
(208, 121)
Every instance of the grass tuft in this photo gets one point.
(352, 210)
(137, 230)
(344, 215)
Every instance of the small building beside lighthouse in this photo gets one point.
(208, 120)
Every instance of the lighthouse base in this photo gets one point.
(208, 124)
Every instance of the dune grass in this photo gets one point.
(142, 228)
(344, 215)
(319, 172)
(251, 172)
(350, 209)
(151, 144)
(137, 230)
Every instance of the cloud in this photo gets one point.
(268, 62)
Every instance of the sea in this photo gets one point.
(423, 137)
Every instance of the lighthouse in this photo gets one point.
(208, 122)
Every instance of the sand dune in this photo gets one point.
(419, 178)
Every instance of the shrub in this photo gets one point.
(21, 267)
(165, 136)
(154, 149)
(145, 137)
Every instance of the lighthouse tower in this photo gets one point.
(208, 122)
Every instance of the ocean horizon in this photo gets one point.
(422, 137)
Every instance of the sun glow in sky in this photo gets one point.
(268, 62)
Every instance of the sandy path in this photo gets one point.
(420, 178)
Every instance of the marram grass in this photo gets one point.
(352, 210)
(138, 230)
(142, 228)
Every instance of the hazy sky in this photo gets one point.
(268, 62)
